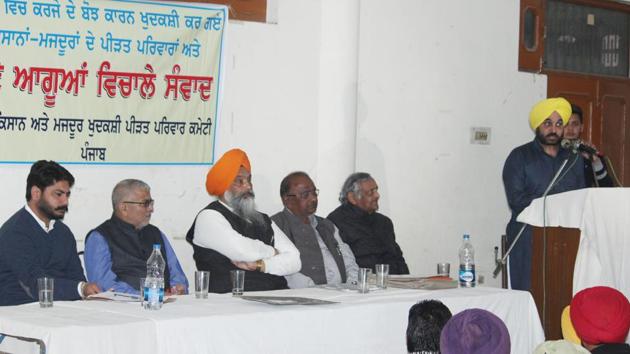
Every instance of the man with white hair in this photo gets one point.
(369, 234)
(230, 233)
(116, 252)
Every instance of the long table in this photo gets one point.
(357, 323)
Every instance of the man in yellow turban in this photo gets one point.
(230, 233)
(528, 172)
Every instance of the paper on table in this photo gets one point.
(123, 297)
(115, 296)
(287, 300)
(346, 287)
(425, 283)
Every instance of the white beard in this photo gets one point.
(244, 205)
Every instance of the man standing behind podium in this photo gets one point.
(35, 243)
(527, 173)
(595, 170)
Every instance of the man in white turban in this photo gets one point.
(528, 172)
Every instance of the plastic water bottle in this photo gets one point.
(154, 284)
(467, 277)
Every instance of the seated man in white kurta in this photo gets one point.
(230, 233)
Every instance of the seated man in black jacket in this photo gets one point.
(369, 234)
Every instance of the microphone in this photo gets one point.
(577, 145)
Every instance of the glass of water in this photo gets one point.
(45, 287)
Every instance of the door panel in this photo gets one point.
(614, 127)
(579, 90)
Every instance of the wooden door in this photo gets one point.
(614, 126)
(553, 261)
(604, 102)
(580, 90)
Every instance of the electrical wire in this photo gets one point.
(610, 167)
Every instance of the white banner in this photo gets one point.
(120, 82)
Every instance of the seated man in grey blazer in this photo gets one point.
(326, 259)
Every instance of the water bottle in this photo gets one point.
(467, 277)
(154, 284)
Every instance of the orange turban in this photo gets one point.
(222, 174)
(600, 315)
(543, 109)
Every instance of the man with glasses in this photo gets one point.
(326, 259)
(230, 233)
(116, 252)
(527, 173)
(369, 234)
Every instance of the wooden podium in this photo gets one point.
(561, 251)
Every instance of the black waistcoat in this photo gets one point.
(130, 249)
(220, 266)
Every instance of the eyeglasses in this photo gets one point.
(305, 194)
(146, 203)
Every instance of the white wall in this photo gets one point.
(425, 74)
(289, 101)
(428, 72)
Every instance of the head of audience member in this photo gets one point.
(132, 202)
(299, 195)
(574, 128)
(568, 332)
(360, 190)
(560, 347)
(230, 179)
(475, 331)
(600, 315)
(548, 118)
(48, 190)
(426, 320)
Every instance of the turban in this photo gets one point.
(560, 347)
(475, 331)
(600, 315)
(568, 332)
(543, 109)
(222, 174)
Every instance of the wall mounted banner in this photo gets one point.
(121, 82)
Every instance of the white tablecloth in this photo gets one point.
(603, 217)
(359, 323)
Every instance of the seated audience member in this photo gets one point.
(230, 233)
(601, 318)
(559, 347)
(475, 331)
(595, 171)
(426, 320)
(369, 234)
(116, 252)
(35, 243)
(568, 332)
(325, 258)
